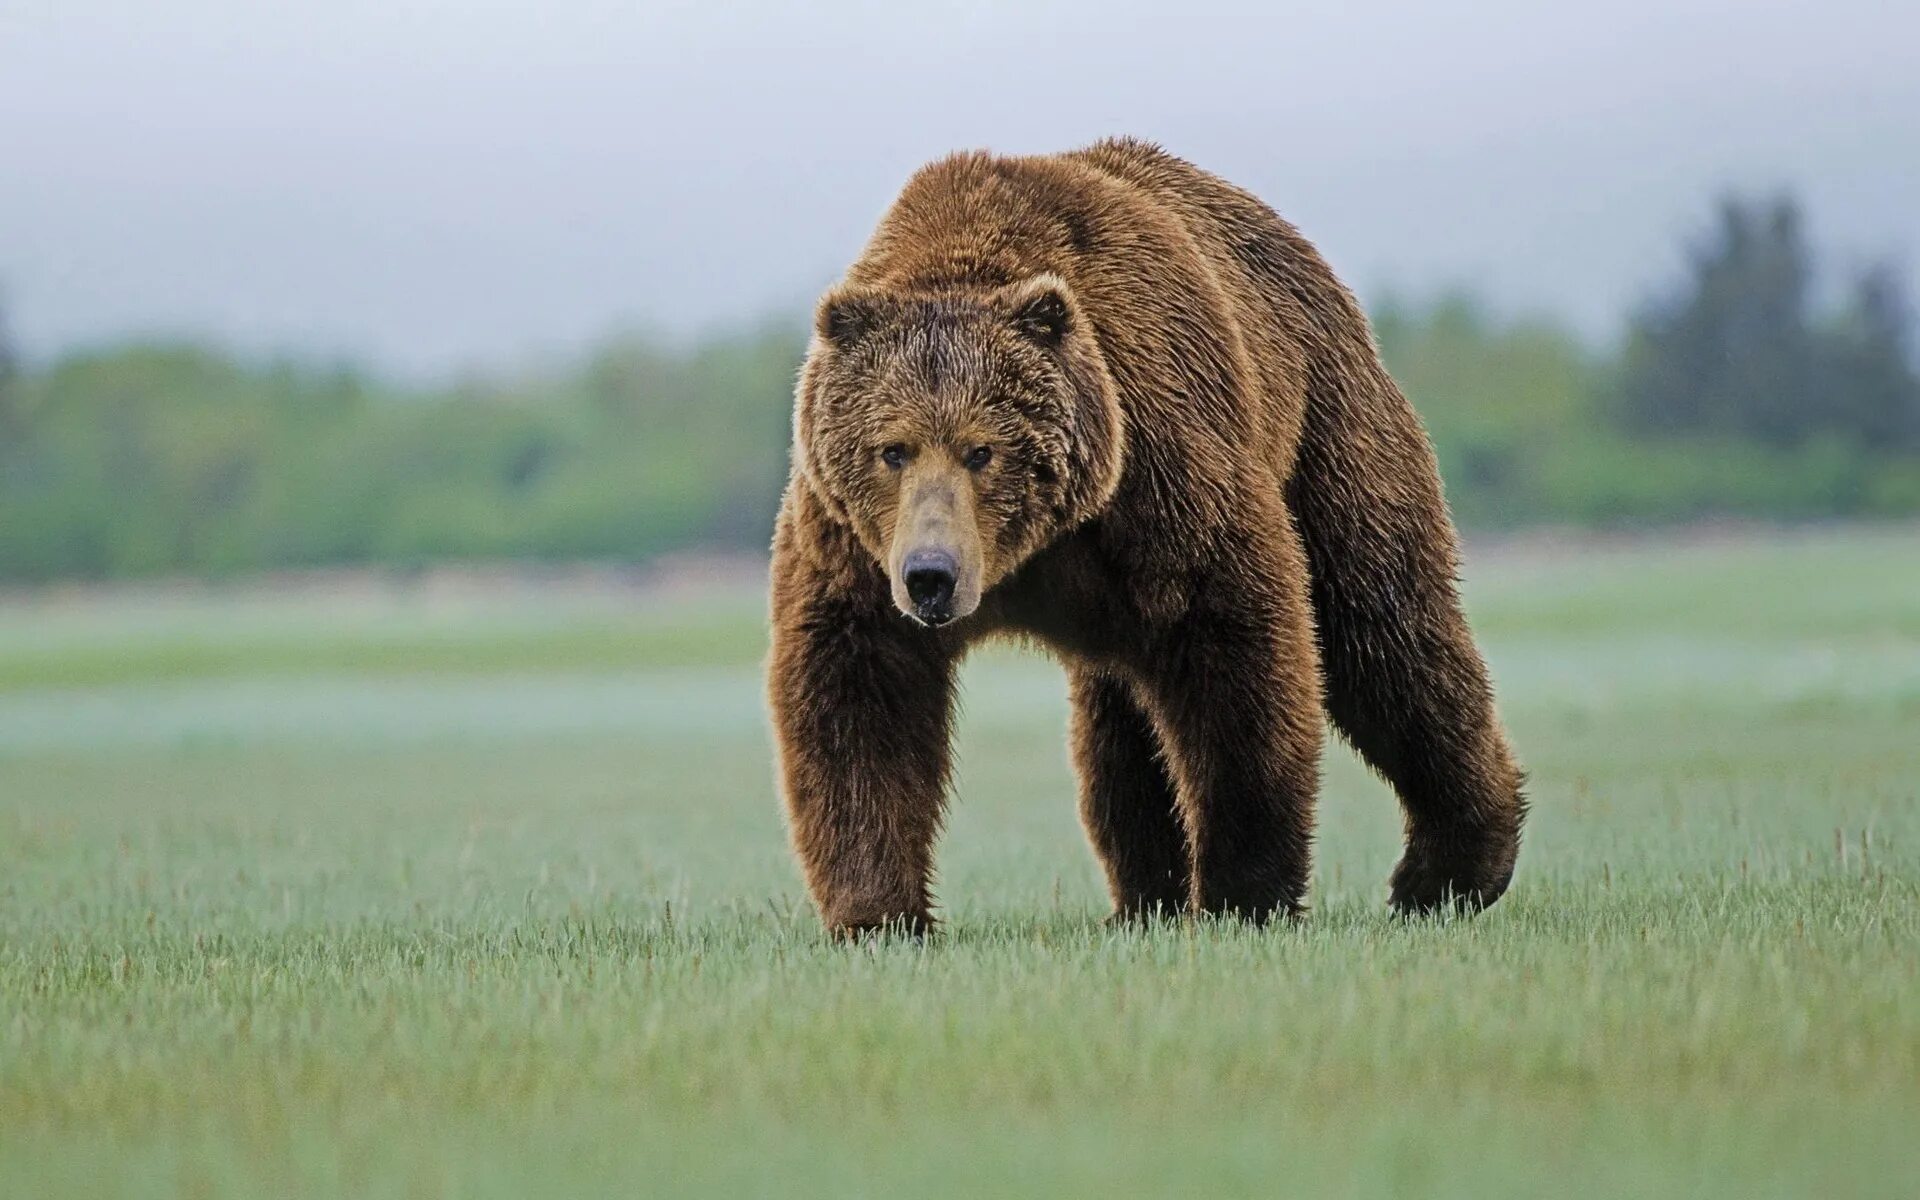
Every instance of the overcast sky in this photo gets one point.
(434, 185)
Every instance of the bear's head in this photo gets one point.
(957, 432)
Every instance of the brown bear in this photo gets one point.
(1108, 403)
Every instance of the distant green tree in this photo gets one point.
(144, 458)
(1869, 363)
(13, 417)
(1738, 349)
(1503, 400)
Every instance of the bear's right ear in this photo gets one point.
(843, 317)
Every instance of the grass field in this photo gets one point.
(488, 894)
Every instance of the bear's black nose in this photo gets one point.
(930, 579)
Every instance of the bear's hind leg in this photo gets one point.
(1127, 801)
(1404, 681)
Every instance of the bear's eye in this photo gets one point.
(894, 456)
(978, 457)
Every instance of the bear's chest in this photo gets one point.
(1086, 599)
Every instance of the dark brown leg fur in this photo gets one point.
(1127, 801)
(1404, 682)
(862, 705)
(1235, 695)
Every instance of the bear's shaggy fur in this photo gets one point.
(1109, 403)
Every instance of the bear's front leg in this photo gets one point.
(1234, 690)
(862, 703)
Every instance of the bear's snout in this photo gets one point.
(934, 560)
(930, 577)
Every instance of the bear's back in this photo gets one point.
(1212, 310)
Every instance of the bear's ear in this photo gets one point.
(843, 317)
(1040, 309)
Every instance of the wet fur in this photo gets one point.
(1213, 505)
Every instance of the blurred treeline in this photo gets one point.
(1754, 388)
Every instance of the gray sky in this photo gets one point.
(431, 185)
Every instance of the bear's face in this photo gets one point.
(958, 432)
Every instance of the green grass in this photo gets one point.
(55, 642)
(416, 899)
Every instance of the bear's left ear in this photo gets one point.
(1040, 307)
